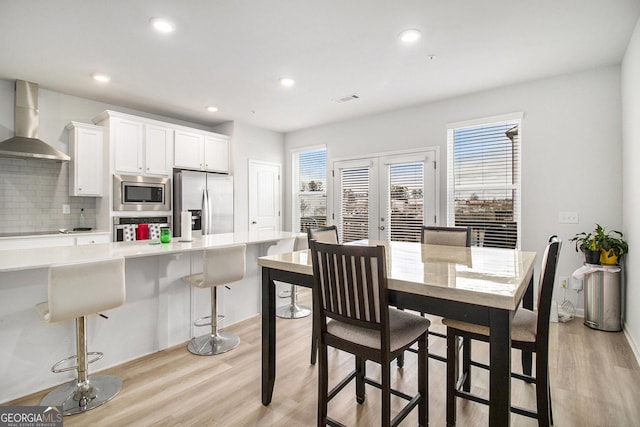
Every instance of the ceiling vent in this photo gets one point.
(347, 99)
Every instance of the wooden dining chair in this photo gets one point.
(529, 333)
(449, 236)
(326, 234)
(351, 305)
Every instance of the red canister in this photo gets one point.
(142, 232)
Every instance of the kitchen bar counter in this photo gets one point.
(56, 233)
(158, 313)
(24, 259)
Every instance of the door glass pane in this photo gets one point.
(405, 210)
(354, 204)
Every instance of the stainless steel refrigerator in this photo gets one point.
(209, 198)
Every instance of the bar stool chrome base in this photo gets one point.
(76, 398)
(293, 311)
(208, 345)
(284, 294)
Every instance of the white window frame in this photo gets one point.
(295, 185)
(517, 208)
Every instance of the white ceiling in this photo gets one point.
(231, 53)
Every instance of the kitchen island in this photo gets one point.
(158, 313)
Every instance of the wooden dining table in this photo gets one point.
(479, 285)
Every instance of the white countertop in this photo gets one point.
(50, 234)
(25, 259)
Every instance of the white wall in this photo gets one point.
(571, 150)
(631, 183)
(249, 143)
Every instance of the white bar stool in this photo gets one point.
(75, 291)
(292, 310)
(222, 266)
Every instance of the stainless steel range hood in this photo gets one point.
(25, 144)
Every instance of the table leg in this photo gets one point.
(500, 365)
(268, 336)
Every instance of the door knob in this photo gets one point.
(381, 227)
(254, 222)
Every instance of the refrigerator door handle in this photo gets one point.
(206, 220)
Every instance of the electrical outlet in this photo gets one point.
(564, 283)
(66, 209)
(568, 217)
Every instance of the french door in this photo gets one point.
(386, 197)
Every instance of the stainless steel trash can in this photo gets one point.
(602, 299)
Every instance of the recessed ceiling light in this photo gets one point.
(287, 81)
(99, 77)
(212, 109)
(162, 25)
(409, 36)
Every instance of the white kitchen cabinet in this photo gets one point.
(158, 144)
(188, 150)
(92, 239)
(87, 159)
(201, 151)
(138, 146)
(127, 145)
(216, 153)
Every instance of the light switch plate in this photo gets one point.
(66, 209)
(568, 217)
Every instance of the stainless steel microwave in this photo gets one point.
(141, 193)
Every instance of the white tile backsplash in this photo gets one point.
(32, 193)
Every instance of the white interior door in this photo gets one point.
(385, 198)
(264, 196)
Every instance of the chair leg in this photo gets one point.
(423, 381)
(550, 407)
(543, 395)
(360, 374)
(386, 394)
(452, 367)
(466, 363)
(400, 360)
(323, 386)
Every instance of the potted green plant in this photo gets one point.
(601, 246)
(612, 245)
(588, 244)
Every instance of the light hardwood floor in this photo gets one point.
(594, 375)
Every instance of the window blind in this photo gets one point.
(354, 204)
(483, 181)
(310, 189)
(405, 209)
